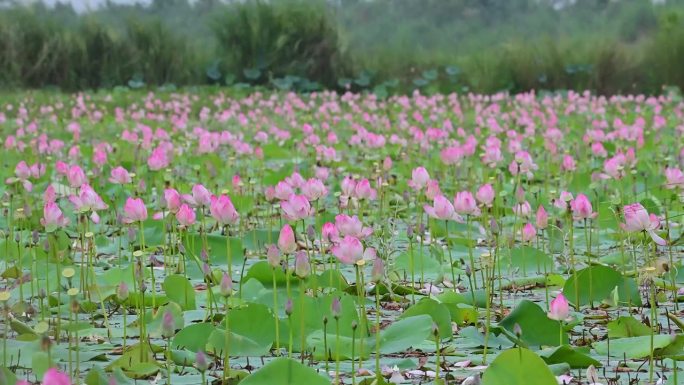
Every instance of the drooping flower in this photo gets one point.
(638, 219)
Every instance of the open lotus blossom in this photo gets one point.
(419, 178)
(674, 177)
(53, 218)
(283, 191)
(442, 209)
(581, 208)
(296, 207)
(350, 251)
(564, 199)
(222, 209)
(22, 174)
(347, 225)
(134, 210)
(638, 219)
(559, 309)
(120, 175)
(201, 197)
(329, 233)
(314, 189)
(465, 204)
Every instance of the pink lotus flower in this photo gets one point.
(351, 226)
(485, 195)
(559, 308)
(522, 209)
(283, 191)
(542, 218)
(638, 219)
(295, 180)
(273, 255)
(581, 208)
(186, 215)
(87, 200)
(464, 204)
(223, 211)
(419, 178)
(302, 265)
(363, 190)
(568, 163)
(348, 186)
(314, 189)
(22, 170)
(296, 207)
(55, 377)
(675, 178)
(329, 233)
(432, 189)
(120, 175)
(134, 210)
(442, 209)
(349, 250)
(49, 195)
(563, 200)
(528, 232)
(53, 217)
(158, 159)
(387, 164)
(172, 199)
(286, 240)
(201, 197)
(76, 176)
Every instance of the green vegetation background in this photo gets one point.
(387, 46)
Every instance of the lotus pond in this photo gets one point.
(199, 237)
